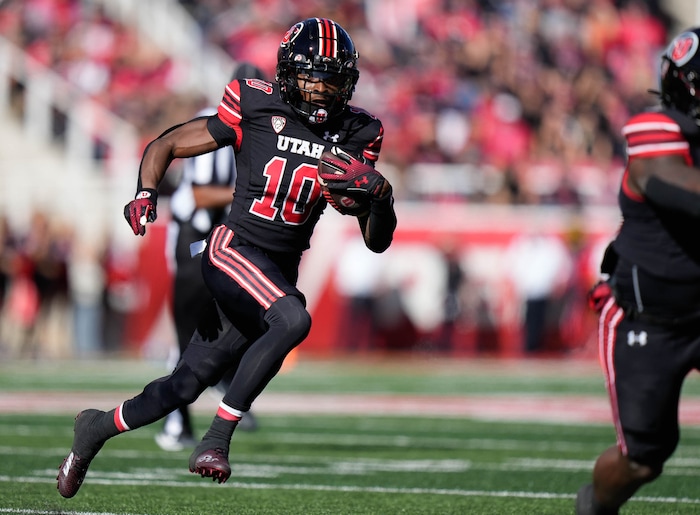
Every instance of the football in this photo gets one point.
(343, 204)
(335, 168)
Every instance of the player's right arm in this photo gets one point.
(189, 139)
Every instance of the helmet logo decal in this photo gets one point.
(683, 48)
(278, 123)
(292, 34)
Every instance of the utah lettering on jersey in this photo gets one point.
(299, 146)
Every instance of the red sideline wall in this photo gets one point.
(480, 235)
(412, 268)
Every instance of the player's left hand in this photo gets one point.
(141, 210)
(344, 173)
(598, 295)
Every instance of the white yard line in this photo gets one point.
(320, 488)
(526, 407)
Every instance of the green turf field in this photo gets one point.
(333, 463)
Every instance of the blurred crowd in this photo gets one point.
(517, 101)
(58, 296)
(528, 96)
(106, 59)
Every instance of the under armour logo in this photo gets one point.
(641, 338)
(360, 181)
(331, 137)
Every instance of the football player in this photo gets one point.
(649, 338)
(278, 132)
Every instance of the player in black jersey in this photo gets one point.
(278, 132)
(649, 338)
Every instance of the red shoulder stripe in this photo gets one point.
(229, 109)
(371, 151)
(655, 134)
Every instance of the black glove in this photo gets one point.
(141, 210)
(341, 172)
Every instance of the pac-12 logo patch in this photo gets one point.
(278, 123)
(683, 48)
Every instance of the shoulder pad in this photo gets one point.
(358, 110)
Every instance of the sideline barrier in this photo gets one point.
(414, 270)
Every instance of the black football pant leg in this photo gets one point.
(289, 323)
(162, 396)
(215, 347)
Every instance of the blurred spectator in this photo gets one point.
(35, 317)
(358, 278)
(578, 323)
(8, 265)
(20, 310)
(455, 279)
(539, 266)
(87, 282)
(120, 296)
(7, 257)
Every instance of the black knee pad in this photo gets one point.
(179, 388)
(209, 359)
(289, 315)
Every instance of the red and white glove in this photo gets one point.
(141, 210)
(343, 173)
(598, 295)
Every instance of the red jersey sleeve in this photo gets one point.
(655, 134)
(229, 109)
(371, 151)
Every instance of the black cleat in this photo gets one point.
(213, 463)
(72, 471)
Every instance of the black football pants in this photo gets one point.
(258, 317)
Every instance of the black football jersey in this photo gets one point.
(278, 200)
(661, 241)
